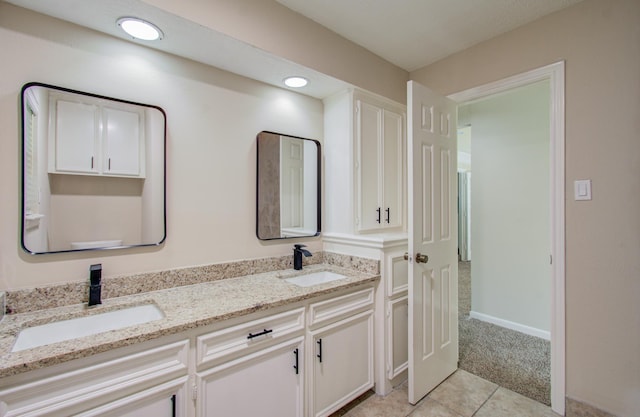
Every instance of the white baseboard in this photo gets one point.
(531, 331)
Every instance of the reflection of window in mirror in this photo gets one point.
(31, 172)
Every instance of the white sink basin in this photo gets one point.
(59, 331)
(315, 278)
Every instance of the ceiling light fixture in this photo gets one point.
(140, 29)
(295, 82)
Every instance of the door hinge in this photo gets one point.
(194, 392)
(550, 259)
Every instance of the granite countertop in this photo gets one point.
(185, 308)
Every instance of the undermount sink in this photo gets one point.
(59, 331)
(315, 278)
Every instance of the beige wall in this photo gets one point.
(600, 42)
(213, 118)
(272, 27)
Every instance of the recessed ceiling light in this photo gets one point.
(295, 82)
(140, 29)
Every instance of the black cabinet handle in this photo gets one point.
(173, 405)
(265, 331)
(319, 355)
(295, 352)
(388, 210)
(378, 219)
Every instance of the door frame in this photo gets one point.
(555, 73)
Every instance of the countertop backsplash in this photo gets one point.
(40, 298)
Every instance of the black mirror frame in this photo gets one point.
(318, 194)
(22, 167)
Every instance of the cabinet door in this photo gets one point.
(166, 400)
(369, 136)
(76, 137)
(122, 142)
(342, 363)
(393, 169)
(398, 330)
(268, 383)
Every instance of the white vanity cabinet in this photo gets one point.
(340, 343)
(255, 368)
(391, 300)
(266, 364)
(396, 303)
(379, 129)
(91, 138)
(146, 379)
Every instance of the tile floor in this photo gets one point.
(461, 395)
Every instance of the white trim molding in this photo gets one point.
(511, 325)
(555, 73)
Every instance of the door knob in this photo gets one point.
(420, 258)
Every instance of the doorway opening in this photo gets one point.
(503, 217)
(514, 222)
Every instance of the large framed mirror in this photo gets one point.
(93, 171)
(288, 187)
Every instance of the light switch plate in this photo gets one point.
(582, 189)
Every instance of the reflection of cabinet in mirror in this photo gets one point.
(91, 137)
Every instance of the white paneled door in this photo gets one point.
(433, 235)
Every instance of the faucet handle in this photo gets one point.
(299, 246)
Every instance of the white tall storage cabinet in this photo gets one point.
(380, 159)
(366, 203)
(365, 164)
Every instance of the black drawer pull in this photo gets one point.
(251, 336)
(319, 355)
(295, 352)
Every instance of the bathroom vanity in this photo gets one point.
(253, 345)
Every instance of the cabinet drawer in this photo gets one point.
(72, 388)
(223, 344)
(338, 307)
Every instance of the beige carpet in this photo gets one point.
(505, 357)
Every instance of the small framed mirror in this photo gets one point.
(288, 187)
(93, 171)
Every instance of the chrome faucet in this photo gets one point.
(95, 284)
(297, 255)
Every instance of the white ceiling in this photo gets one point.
(414, 33)
(408, 33)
